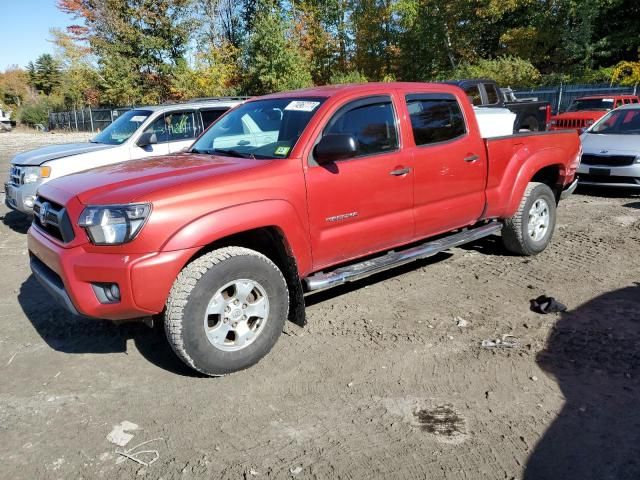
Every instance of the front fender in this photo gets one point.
(241, 218)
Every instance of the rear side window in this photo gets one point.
(435, 118)
(492, 94)
(371, 122)
(473, 92)
(210, 116)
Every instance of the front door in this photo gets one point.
(363, 204)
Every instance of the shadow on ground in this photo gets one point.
(605, 192)
(17, 221)
(69, 334)
(594, 354)
(633, 205)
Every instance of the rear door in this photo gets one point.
(363, 204)
(449, 162)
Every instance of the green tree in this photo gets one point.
(45, 75)
(273, 60)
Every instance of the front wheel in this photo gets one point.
(530, 230)
(226, 310)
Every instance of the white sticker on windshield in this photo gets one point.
(138, 118)
(302, 106)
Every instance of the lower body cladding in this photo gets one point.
(20, 198)
(610, 176)
(105, 286)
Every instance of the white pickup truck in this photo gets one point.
(138, 133)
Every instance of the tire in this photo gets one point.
(204, 318)
(518, 236)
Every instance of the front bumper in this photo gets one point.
(607, 176)
(69, 274)
(15, 196)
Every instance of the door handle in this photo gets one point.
(243, 142)
(472, 158)
(400, 172)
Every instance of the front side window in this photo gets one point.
(260, 129)
(473, 92)
(180, 126)
(174, 127)
(435, 118)
(122, 128)
(372, 123)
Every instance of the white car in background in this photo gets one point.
(138, 133)
(611, 150)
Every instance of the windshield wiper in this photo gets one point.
(234, 153)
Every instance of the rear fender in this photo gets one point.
(504, 200)
(241, 218)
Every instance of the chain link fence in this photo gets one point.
(84, 120)
(561, 97)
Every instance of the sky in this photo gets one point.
(25, 28)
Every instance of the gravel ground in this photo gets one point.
(382, 383)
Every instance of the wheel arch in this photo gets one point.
(283, 241)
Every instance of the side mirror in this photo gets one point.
(335, 146)
(146, 139)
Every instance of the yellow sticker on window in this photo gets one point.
(282, 151)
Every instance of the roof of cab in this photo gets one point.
(327, 91)
(601, 97)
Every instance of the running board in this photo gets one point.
(356, 271)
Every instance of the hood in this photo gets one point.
(595, 143)
(53, 152)
(130, 181)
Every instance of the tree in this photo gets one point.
(14, 86)
(139, 43)
(45, 75)
(273, 60)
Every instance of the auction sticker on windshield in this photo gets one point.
(138, 118)
(302, 106)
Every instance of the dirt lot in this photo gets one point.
(382, 383)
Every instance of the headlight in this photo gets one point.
(33, 174)
(114, 224)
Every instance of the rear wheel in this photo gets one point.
(530, 230)
(226, 310)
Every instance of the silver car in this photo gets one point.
(611, 150)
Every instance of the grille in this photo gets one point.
(15, 176)
(608, 160)
(571, 123)
(53, 219)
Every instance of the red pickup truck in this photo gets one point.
(287, 194)
(585, 111)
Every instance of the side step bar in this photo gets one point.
(356, 271)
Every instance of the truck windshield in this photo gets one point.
(598, 104)
(122, 128)
(619, 122)
(259, 129)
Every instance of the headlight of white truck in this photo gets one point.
(114, 224)
(33, 174)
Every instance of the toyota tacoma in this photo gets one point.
(335, 183)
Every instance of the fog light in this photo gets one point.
(106, 292)
(28, 201)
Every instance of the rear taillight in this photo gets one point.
(548, 114)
